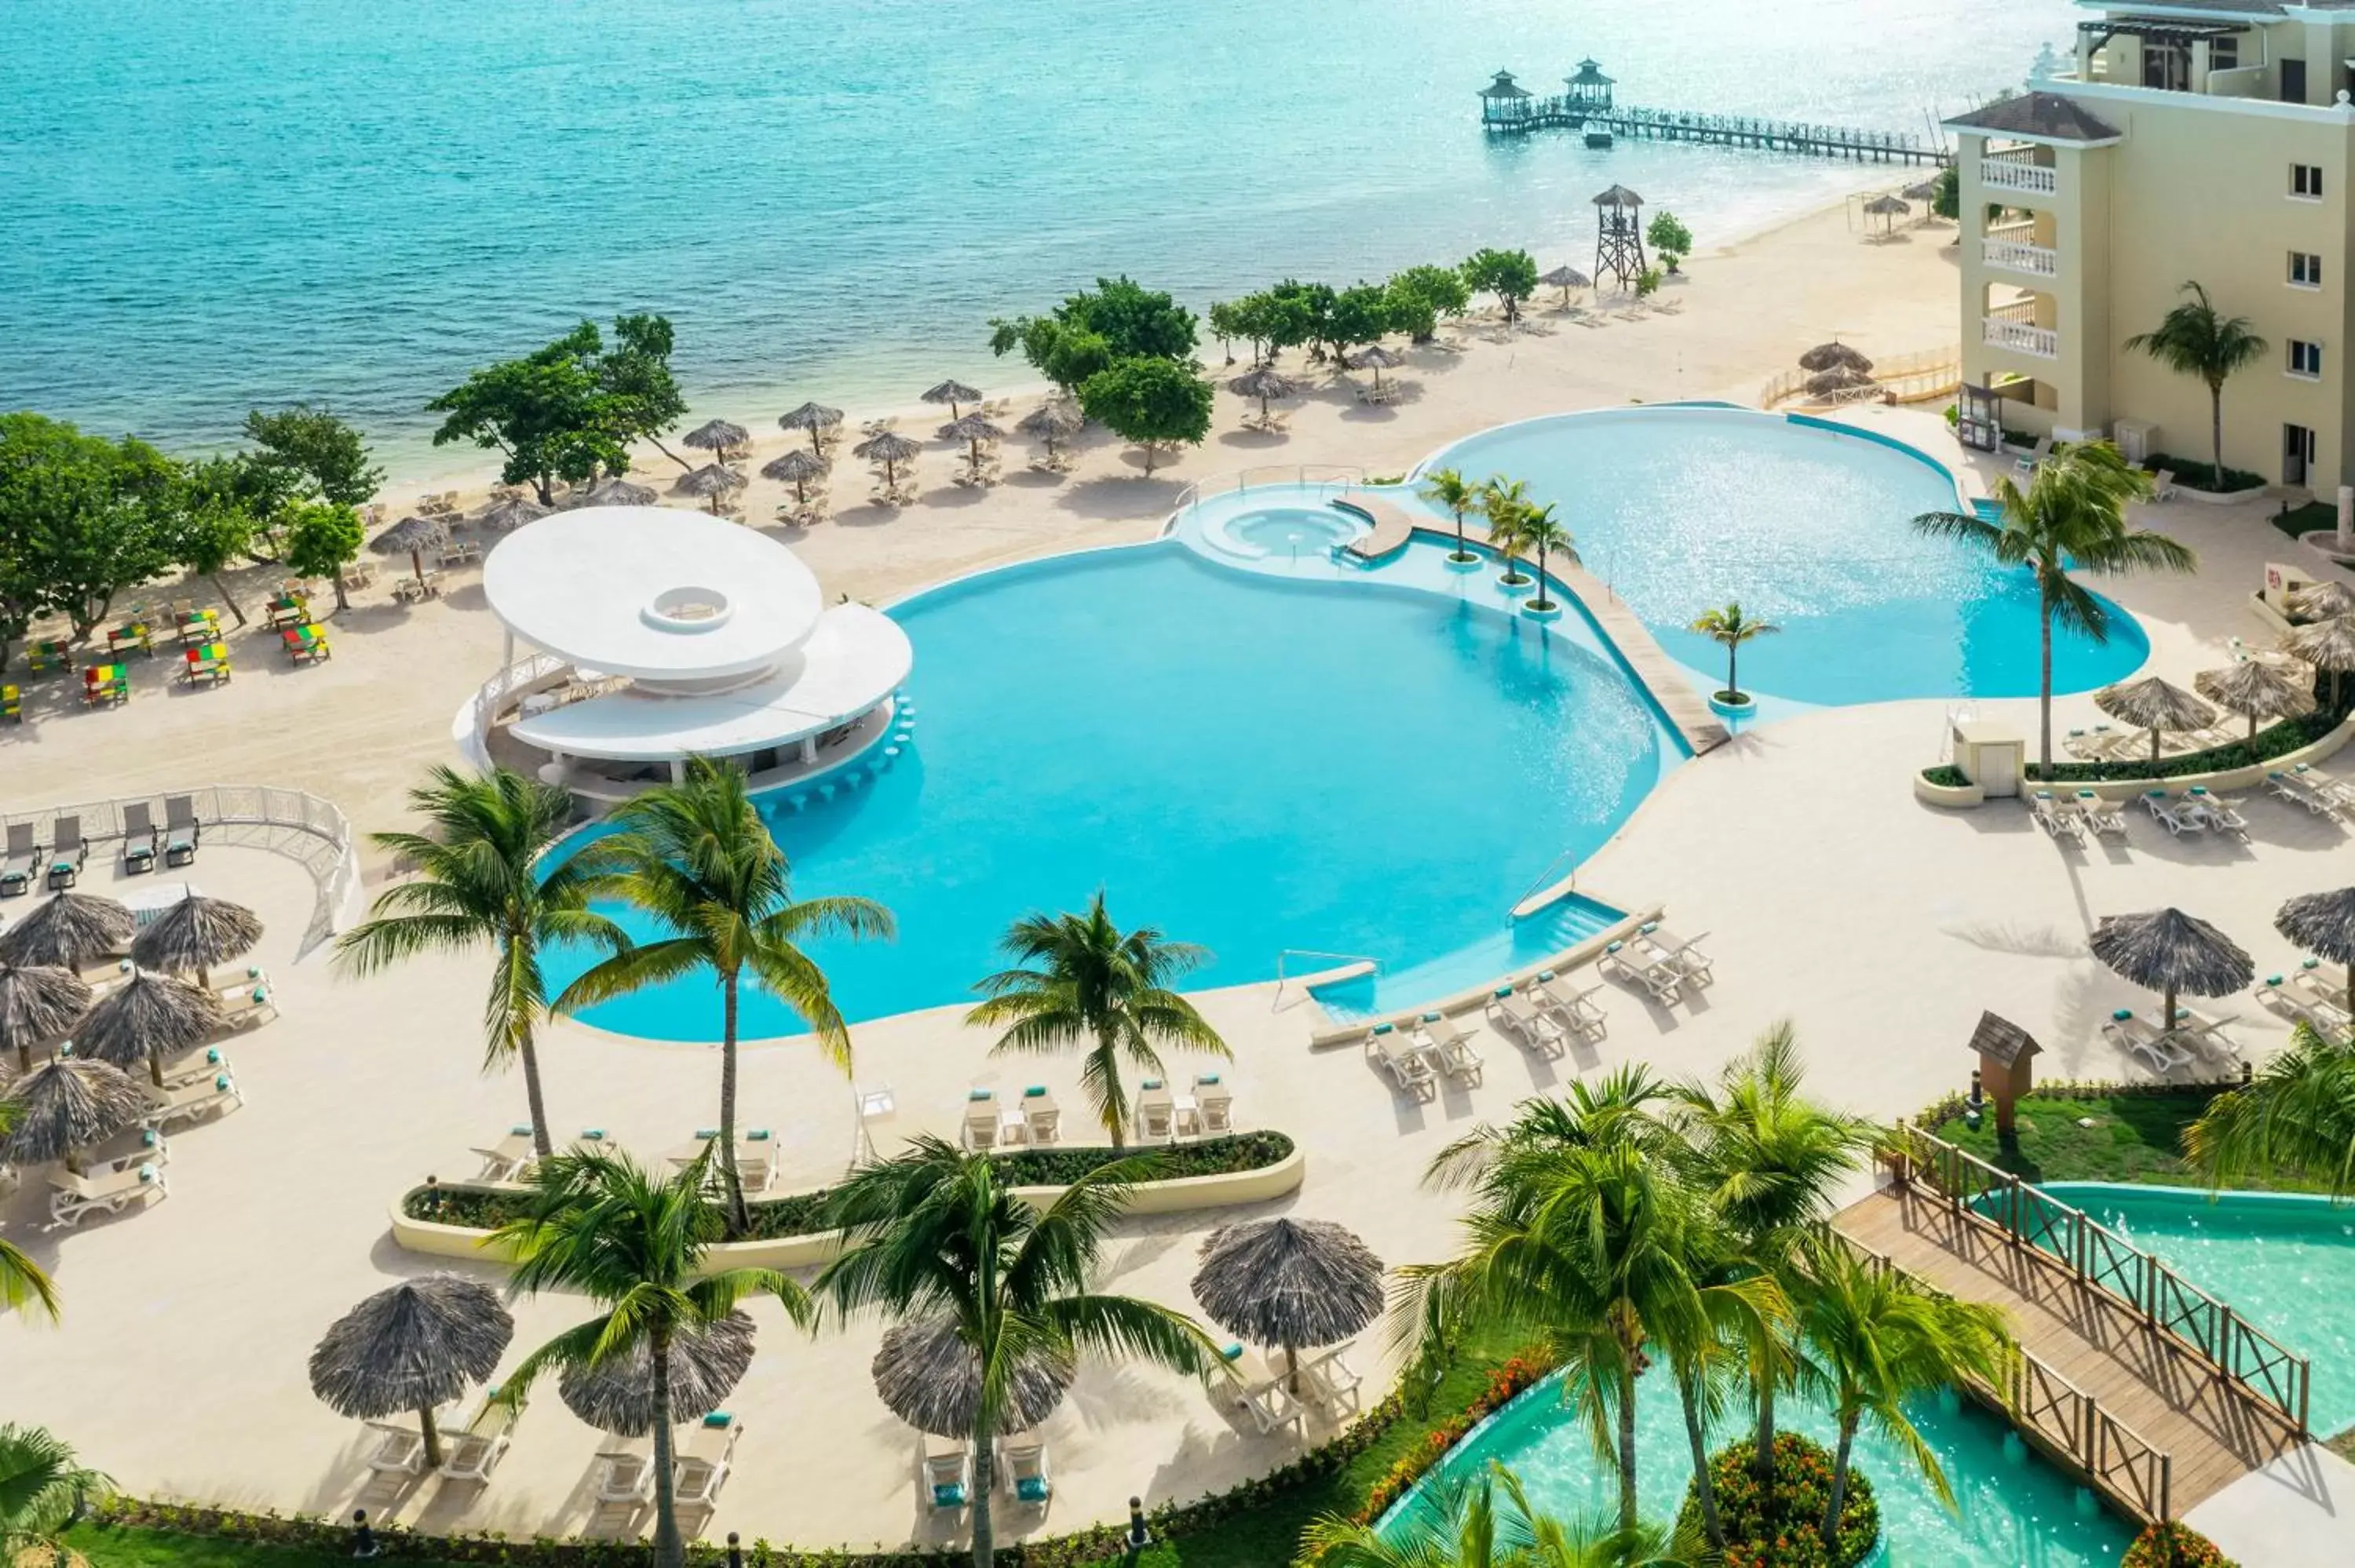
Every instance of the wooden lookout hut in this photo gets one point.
(1590, 90)
(1504, 101)
(1619, 235)
(2004, 1050)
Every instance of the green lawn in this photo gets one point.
(2312, 517)
(110, 1547)
(2134, 1137)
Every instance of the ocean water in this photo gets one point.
(215, 203)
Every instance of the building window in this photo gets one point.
(2305, 269)
(2224, 54)
(2305, 181)
(2305, 359)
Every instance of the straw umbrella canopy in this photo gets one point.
(1051, 421)
(2255, 689)
(1838, 379)
(412, 536)
(618, 1397)
(2158, 706)
(2327, 645)
(1889, 208)
(69, 931)
(931, 1379)
(413, 1347)
(796, 468)
(1376, 358)
(615, 492)
(1921, 190)
(716, 436)
(39, 1003)
(973, 429)
(507, 516)
(64, 1103)
(1824, 356)
(2324, 925)
(2169, 951)
(814, 418)
(1565, 278)
(1263, 382)
(2320, 601)
(890, 448)
(1289, 1283)
(710, 482)
(195, 934)
(147, 1018)
(953, 393)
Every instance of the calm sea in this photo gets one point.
(207, 205)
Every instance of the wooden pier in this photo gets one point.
(1517, 116)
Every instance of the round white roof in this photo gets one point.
(652, 592)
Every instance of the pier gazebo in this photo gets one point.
(1504, 101)
(1590, 90)
(1619, 235)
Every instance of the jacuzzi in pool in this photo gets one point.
(1283, 531)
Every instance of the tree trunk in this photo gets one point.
(1148, 458)
(214, 578)
(2216, 433)
(1543, 602)
(1628, 1519)
(2044, 690)
(1762, 1462)
(739, 1219)
(432, 1438)
(342, 602)
(1115, 1103)
(1829, 1529)
(668, 1550)
(657, 443)
(1460, 551)
(155, 1070)
(2168, 1018)
(984, 1466)
(1704, 1488)
(543, 486)
(528, 1050)
(1733, 668)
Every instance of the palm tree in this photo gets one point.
(24, 1287)
(2295, 1116)
(1882, 1340)
(1447, 487)
(1471, 1530)
(1081, 981)
(480, 883)
(1506, 504)
(2072, 514)
(2193, 339)
(1538, 529)
(696, 856)
(42, 1487)
(1730, 629)
(935, 1234)
(1769, 1159)
(634, 1243)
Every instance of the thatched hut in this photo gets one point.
(2170, 952)
(931, 1379)
(411, 1348)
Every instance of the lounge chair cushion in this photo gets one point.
(1031, 1488)
(2120, 1015)
(976, 1095)
(948, 1494)
(719, 1418)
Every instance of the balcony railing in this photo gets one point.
(2041, 341)
(2005, 175)
(2014, 257)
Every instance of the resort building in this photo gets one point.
(2203, 141)
(661, 635)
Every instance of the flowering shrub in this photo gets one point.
(1803, 1489)
(2172, 1545)
(1505, 1383)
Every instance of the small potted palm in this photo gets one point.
(1446, 487)
(1539, 530)
(1505, 504)
(1729, 628)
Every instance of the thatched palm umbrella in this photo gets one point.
(2255, 688)
(1263, 382)
(2169, 951)
(932, 1380)
(1376, 358)
(706, 1365)
(195, 934)
(890, 448)
(1289, 1283)
(813, 418)
(1838, 379)
(796, 468)
(1921, 190)
(64, 1105)
(413, 1347)
(973, 429)
(147, 1018)
(718, 436)
(1565, 278)
(953, 393)
(2158, 706)
(2320, 601)
(2324, 925)
(69, 931)
(1051, 421)
(613, 493)
(1824, 355)
(708, 483)
(412, 536)
(39, 1003)
(1888, 208)
(2327, 645)
(507, 516)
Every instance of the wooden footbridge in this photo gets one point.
(2131, 1378)
(1508, 109)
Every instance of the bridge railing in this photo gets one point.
(2237, 1350)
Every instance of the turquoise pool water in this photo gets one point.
(2014, 1510)
(1556, 928)
(2286, 1262)
(1277, 753)
(1680, 509)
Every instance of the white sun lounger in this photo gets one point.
(2283, 1002)
(1022, 1467)
(474, 1453)
(1214, 1105)
(510, 1159)
(1259, 1391)
(703, 1461)
(2298, 792)
(1642, 967)
(1406, 1063)
(1041, 1116)
(2221, 815)
(980, 1119)
(1574, 1008)
(1514, 1013)
(2172, 815)
(1331, 1382)
(2100, 816)
(2057, 820)
(1445, 1039)
(191, 1101)
(2328, 786)
(948, 1474)
(110, 1189)
(1681, 954)
(2139, 1036)
(626, 1472)
(1156, 1112)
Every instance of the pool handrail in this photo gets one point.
(1555, 889)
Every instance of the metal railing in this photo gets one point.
(2235, 1349)
(2013, 256)
(2009, 174)
(2044, 342)
(1285, 953)
(300, 826)
(1907, 377)
(1548, 878)
(484, 706)
(1342, 476)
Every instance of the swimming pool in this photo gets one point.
(1681, 508)
(1256, 754)
(2014, 1508)
(1260, 532)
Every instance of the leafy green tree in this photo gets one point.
(1091, 331)
(1730, 629)
(644, 398)
(550, 413)
(212, 527)
(1296, 313)
(1360, 313)
(42, 1487)
(2195, 338)
(325, 458)
(1882, 1340)
(24, 1287)
(1669, 237)
(1946, 196)
(1152, 402)
(1254, 319)
(481, 883)
(1065, 355)
(599, 1226)
(935, 1236)
(1227, 320)
(1079, 980)
(1505, 504)
(697, 857)
(1447, 487)
(1510, 275)
(1538, 529)
(1469, 1527)
(1647, 283)
(2294, 1118)
(86, 518)
(1421, 295)
(2072, 515)
(321, 540)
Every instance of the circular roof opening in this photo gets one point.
(688, 609)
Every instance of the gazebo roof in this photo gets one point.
(1588, 75)
(1504, 87)
(2001, 1041)
(1618, 196)
(2040, 117)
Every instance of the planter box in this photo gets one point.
(1950, 795)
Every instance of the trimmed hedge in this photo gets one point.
(2193, 474)
(1803, 1489)
(803, 1214)
(2173, 1544)
(2278, 740)
(1946, 775)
